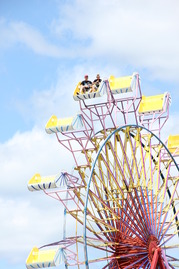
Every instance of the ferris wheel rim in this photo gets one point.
(91, 173)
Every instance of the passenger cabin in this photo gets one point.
(173, 144)
(55, 125)
(117, 85)
(37, 182)
(151, 104)
(122, 84)
(77, 96)
(44, 258)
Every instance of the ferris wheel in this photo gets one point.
(121, 202)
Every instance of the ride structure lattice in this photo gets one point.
(121, 203)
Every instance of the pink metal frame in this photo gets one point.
(166, 156)
(115, 108)
(100, 112)
(71, 185)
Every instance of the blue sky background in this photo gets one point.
(46, 47)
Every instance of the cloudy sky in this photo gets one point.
(46, 47)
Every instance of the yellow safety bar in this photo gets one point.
(152, 104)
(77, 89)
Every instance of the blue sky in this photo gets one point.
(46, 47)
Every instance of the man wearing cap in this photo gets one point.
(86, 85)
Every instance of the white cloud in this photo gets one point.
(34, 39)
(141, 34)
(58, 98)
(27, 224)
(22, 33)
(171, 127)
(32, 218)
(29, 153)
(137, 34)
(29, 218)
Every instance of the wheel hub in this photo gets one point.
(152, 246)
